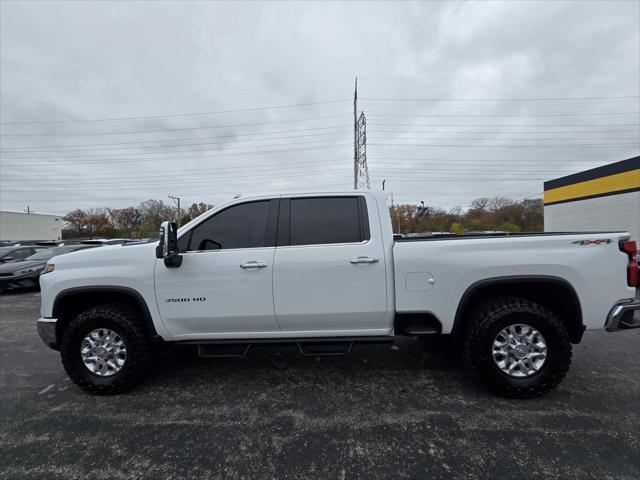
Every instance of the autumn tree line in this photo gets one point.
(496, 213)
(132, 222)
(142, 221)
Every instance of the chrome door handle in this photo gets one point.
(364, 260)
(254, 264)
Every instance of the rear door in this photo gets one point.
(329, 268)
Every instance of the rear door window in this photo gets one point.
(327, 220)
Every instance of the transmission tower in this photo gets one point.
(360, 169)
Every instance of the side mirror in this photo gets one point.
(168, 246)
(7, 259)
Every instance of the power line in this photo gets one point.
(337, 176)
(210, 184)
(228, 144)
(590, 145)
(386, 170)
(187, 138)
(276, 172)
(502, 132)
(518, 115)
(542, 99)
(173, 115)
(155, 159)
(532, 139)
(423, 161)
(169, 148)
(459, 132)
(481, 172)
(400, 166)
(579, 125)
(251, 193)
(338, 134)
(310, 143)
(129, 132)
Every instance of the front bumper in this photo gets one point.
(47, 331)
(624, 315)
(26, 280)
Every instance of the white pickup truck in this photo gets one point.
(324, 271)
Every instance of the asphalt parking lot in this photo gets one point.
(377, 413)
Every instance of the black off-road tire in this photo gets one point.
(484, 324)
(125, 322)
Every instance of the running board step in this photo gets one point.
(325, 348)
(420, 330)
(236, 350)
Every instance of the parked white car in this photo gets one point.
(325, 269)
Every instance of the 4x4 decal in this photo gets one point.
(593, 242)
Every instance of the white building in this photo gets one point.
(606, 198)
(29, 226)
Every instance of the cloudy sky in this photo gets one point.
(110, 103)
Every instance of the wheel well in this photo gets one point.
(554, 294)
(70, 304)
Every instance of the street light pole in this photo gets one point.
(176, 200)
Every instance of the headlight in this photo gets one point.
(29, 270)
(49, 268)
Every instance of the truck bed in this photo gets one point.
(433, 274)
(453, 236)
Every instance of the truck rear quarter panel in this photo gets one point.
(596, 271)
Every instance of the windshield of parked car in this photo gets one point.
(52, 252)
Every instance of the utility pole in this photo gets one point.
(355, 136)
(393, 211)
(397, 214)
(176, 200)
(360, 168)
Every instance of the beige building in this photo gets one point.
(29, 226)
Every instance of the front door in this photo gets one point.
(225, 283)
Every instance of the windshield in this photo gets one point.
(4, 250)
(52, 252)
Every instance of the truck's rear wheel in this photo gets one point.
(517, 348)
(105, 350)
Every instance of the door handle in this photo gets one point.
(364, 260)
(253, 264)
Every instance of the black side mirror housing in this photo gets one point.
(168, 246)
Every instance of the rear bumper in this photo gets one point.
(624, 315)
(47, 331)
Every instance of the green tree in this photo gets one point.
(510, 227)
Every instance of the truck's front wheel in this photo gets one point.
(105, 350)
(518, 348)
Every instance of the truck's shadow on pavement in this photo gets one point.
(435, 362)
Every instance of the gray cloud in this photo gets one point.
(86, 61)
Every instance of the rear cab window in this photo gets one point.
(323, 220)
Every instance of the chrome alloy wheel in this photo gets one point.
(519, 350)
(103, 352)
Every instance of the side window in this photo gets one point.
(240, 226)
(21, 254)
(327, 220)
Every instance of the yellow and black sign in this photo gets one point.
(612, 179)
